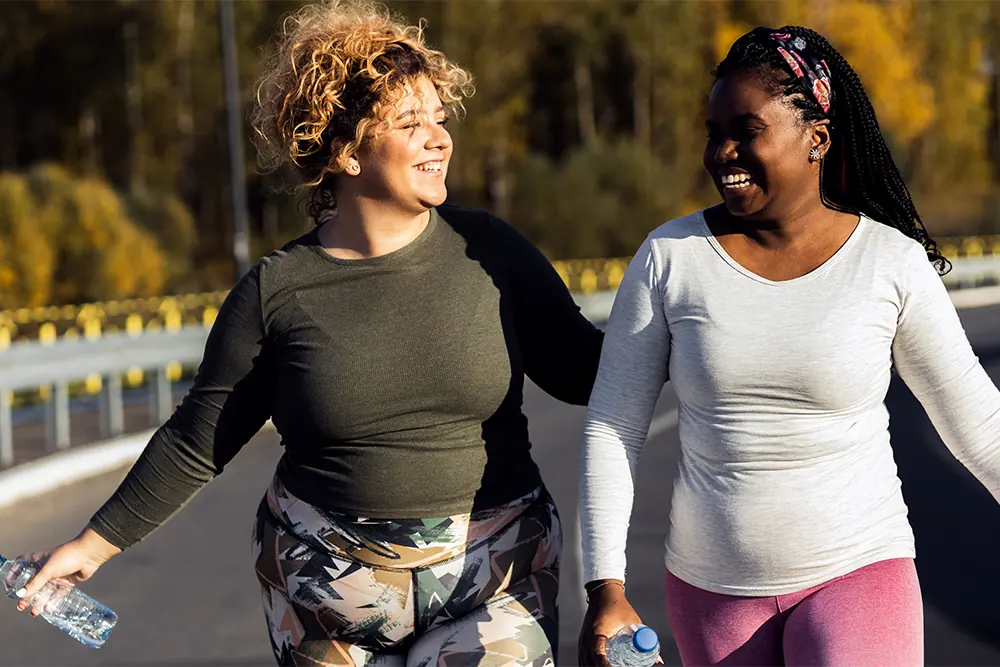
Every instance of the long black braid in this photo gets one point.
(858, 174)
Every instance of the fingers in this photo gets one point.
(583, 650)
(43, 577)
(592, 650)
(601, 651)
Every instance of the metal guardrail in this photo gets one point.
(104, 359)
(585, 276)
(969, 272)
(28, 365)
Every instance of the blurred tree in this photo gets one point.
(28, 260)
(951, 159)
(601, 200)
(130, 93)
(69, 240)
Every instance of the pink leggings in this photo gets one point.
(872, 616)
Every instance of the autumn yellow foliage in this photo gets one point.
(876, 39)
(70, 240)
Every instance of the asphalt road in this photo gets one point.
(187, 596)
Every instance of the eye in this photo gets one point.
(443, 122)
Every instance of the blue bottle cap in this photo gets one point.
(645, 640)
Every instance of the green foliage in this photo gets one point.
(168, 220)
(599, 201)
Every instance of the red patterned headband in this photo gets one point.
(811, 70)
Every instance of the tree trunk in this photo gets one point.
(185, 115)
(8, 140)
(496, 174)
(133, 105)
(585, 99)
(87, 127)
(642, 102)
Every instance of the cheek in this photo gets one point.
(708, 157)
(777, 162)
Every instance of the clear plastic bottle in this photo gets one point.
(65, 606)
(633, 646)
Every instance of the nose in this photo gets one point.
(726, 151)
(439, 139)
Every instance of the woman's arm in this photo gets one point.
(933, 356)
(228, 403)
(632, 372)
(560, 347)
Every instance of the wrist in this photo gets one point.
(92, 541)
(604, 590)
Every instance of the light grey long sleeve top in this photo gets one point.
(786, 478)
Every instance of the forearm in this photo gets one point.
(934, 357)
(610, 455)
(161, 481)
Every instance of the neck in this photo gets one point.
(365, 228)
(788, 227)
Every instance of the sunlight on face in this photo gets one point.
(407, 163)
(757, 149)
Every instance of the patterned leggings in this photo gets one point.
(466, 590)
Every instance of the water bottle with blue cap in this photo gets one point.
(633, 646)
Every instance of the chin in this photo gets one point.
(430, 200)
(742, 208)
(737, 210)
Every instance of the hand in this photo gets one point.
(73, 562)
(609, 611)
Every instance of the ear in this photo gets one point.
(820, 136)
(348, 164)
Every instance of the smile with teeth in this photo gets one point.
(736, 181)
(429, 166)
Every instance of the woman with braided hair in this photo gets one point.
(779, 315)
(407, 523)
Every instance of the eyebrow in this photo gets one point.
(411, 112)
(738, 119)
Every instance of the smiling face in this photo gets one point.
(758, 149)
(407, 163)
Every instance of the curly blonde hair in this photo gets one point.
(338, 66)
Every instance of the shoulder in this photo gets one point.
(678, 229)
(901, 261)
(289, 265)
(892, 248)
(677, 237)
(889, 239)
(482, 229)
(473, 223)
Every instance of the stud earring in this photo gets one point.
(354, 169)
(815, 155)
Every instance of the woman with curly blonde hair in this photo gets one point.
(407, 523)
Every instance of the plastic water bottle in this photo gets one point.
(633, 646)
(65, 606)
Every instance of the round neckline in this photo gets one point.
(389, 257)
(818, 271)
